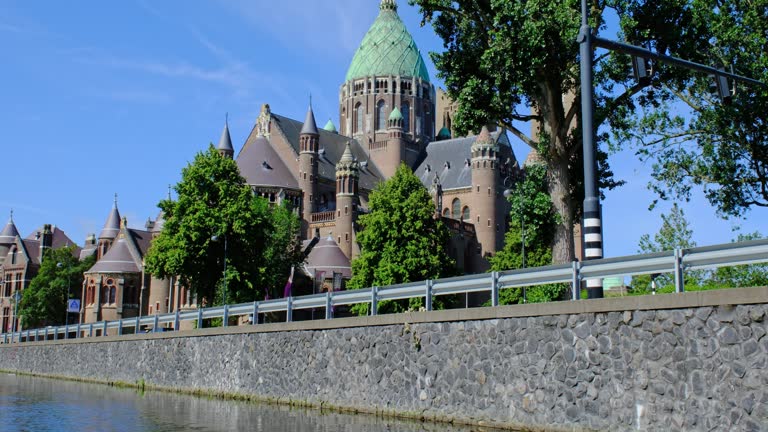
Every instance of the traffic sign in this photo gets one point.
(73, 306)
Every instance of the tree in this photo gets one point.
(719, 146)
(44, 301)
(400, 239)
(502, 56)
(675, 232)
(217, 215)
(531, 218)
(751, 275)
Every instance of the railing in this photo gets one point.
(328, 216)
(674, 262)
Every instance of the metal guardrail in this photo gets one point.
(674, 262)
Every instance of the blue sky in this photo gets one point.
(116, 97)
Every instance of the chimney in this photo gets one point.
(47, 240)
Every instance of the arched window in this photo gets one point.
(406, 112)
(358, 118)
(381, 115)
(446, 213)
(465, 214)
(427, 123)
(456, 208)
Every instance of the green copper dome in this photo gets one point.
(388, 49)
(330, 127)
(396, 114)
(444, 134)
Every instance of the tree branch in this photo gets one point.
(519, 134)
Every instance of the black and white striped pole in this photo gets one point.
(592, 225)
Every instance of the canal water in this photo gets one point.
(30, 404)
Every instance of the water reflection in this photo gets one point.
(37, 404)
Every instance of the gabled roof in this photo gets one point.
(448, 159)
(260, 165)
(332, 146)
(327, 256)
(60, 238)
(388, 49)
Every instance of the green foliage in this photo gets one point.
(215, 210)
(675, 232)
(531, 218)
(511, 61)
(531, 209)
(752, 275)
(44, 301)
(400, 240)
(690, 137)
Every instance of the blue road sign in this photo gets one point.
(73, 306)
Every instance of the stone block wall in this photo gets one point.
(699, 368)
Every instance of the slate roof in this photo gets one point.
(112, 226)
(60, 238)
(388, 49)
(9, 233)
(260, 164)
(118, 259)
(332, 146)
(448, 158)
(327, 256)
(310, 126)
(225, 142)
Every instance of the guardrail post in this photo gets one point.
(90, 330)
(428, 295)
(104, 329)
(66, 332)
(45, 334)
(289, 309)
(36, 334)
(176, 321)
(199, 318)
(55, 333)
(255, 312)
(137, 328)
(679, 278)
(328, 306)
(120, 328)
(374, 301)
(77, 336)
(225, 317)
(156, 323)
(576, 281)
(495, 289)
(5, 338)
(27, 340)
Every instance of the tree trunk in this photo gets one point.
(559, 181)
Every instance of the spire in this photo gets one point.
(388, 5)
(485, 136)
(225, 143)
(310, 127)
(347, 157)
(112, 226)
(9, 233)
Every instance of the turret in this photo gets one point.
(7, 238)
(347, 177)
(485, 178)
(225, 143)
(109, 232)
(309, 148)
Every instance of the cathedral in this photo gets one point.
(389, 113)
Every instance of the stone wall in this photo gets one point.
(693, 362)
